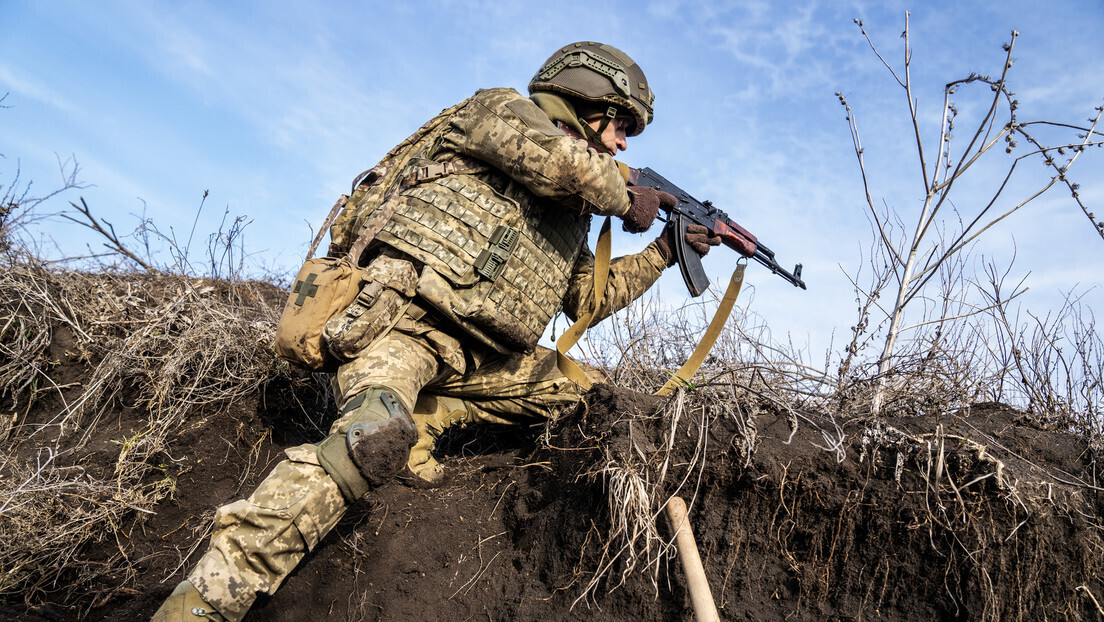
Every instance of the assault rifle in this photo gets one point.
(690, 210)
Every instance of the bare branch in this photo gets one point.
(113, 242)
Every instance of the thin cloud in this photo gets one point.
(35, 89)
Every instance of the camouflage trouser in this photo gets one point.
(259, 541)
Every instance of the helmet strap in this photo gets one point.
(595, 135)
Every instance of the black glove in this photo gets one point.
(646, 202)
(697, 236)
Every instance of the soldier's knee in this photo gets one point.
(370, 444)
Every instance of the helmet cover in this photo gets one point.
(598, 74)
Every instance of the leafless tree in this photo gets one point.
(914, 259)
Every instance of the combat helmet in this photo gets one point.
(598, 74)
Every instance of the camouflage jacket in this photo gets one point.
(500, 237)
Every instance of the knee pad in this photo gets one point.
(371, 443)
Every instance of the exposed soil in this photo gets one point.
(972, 515)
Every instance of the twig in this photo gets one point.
(1085, 589)
(113, 241)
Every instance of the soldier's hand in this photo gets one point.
(697, 236)
(644, 208)
(699, 239)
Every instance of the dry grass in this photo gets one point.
(25, 334)
(171, 347)
(49, 512)
(640, 476)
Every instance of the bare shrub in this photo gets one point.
(20, 204)
(1053, 364)
(913, 260)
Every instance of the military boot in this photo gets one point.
(185, 604)
(433, 414)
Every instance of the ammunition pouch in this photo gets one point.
(388, 289)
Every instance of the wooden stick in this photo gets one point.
(700, 596)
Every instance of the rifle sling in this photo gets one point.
(680, 378)
(569, 367)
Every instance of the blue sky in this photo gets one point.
(272, 107)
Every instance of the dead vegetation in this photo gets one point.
(172, 348)
(914, 260)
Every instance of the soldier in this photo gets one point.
(492, 202)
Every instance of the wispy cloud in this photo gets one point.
(35, 89)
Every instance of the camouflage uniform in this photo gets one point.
(443, 365)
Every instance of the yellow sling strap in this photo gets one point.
(571, 336)
(687, 371)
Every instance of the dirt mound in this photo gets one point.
(969, 515)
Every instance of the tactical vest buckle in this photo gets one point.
(491, 261)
